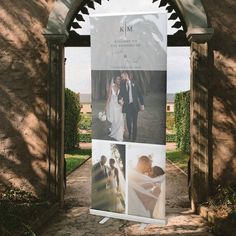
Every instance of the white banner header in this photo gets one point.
(131, 42)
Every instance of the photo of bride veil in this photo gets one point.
(108, 106)
(141, 190)
(114, 110)
(118, 193)
(146, 191)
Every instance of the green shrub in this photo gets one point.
(85, 138)
(170, 138)
(85, 122)
(18, 211)
(182, 120)
(72, 117)
(170, 120)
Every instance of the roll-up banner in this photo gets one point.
(129, 60)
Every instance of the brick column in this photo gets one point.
(199, 157)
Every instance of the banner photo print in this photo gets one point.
(129, 63)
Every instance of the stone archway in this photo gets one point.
(198, 33)
(192, 12)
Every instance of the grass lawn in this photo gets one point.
(179, 158)
(75, 158)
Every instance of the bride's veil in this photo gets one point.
(109, 83)
(122, 180)
(108, 107)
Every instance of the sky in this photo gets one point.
(78, 63)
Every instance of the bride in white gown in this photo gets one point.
(114, 111)
(115, 204)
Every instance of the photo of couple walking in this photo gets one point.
(124, 97)
(129, 106)
(108, 192)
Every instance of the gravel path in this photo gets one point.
(75, 220)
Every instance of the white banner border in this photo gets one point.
(159, 222)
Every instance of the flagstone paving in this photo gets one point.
(75, 219)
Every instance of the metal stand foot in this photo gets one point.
(104, 220)
(143, 226)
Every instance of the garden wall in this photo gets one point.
(222, 90)
(24, 99)
(23, 93)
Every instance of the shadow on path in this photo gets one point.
(75, 219)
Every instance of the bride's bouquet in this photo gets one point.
(102, 116)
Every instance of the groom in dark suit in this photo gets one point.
(99, 182)
(132, 99)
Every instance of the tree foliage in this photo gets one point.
(148, 81)
(72, 117)
(182, 120)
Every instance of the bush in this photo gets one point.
(85, 122)
(182, 121)
(170, 138)
(72, 117)
(19, 211)
(223, 203)
(170, 120)
(85, 138)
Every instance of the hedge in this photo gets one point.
(72, 117)
(85, 138)
(85, 122)
(170, 138)
(170, 120)
(182, 121)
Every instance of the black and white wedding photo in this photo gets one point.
(108, 177)
(146, 180)
(129, 106)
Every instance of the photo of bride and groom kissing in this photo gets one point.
(129, 179)
(128, 106)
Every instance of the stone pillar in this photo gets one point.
(55, 101)
(223, 92)
(199, 127)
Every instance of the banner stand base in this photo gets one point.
(104, 220)
(143, 226)
(142, 220)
